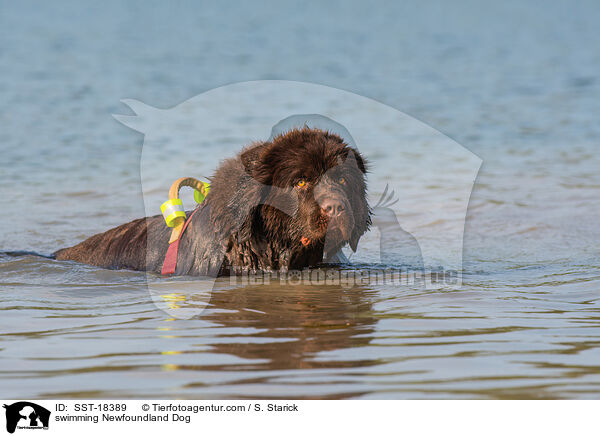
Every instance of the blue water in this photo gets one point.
(517, 83)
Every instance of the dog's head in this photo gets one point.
(318, 180)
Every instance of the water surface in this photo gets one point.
(515, 83)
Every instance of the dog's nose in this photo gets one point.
(332, 207)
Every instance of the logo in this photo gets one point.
(26, 415)
(420, 182)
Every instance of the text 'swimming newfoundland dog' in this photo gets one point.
(286, 204)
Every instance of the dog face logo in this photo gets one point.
(420, 180)
(26, 415)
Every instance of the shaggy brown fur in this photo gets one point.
(285, 204)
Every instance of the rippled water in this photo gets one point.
(516, 84)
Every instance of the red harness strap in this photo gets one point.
(170, 262)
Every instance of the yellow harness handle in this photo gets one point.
(172, 209)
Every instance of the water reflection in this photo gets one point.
(290, 327)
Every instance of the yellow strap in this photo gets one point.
(184, 181)
(176, 232)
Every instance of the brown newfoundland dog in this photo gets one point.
(289, 203)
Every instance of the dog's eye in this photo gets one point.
(341, 181)
(301, 183)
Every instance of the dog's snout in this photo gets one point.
(333, 207)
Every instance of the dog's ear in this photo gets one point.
(354, 158)
(354, 241)
(363, 220)
(256, 162)
(260, 161)
(251, 156)
(362, 212)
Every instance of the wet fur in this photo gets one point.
(253, 218)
